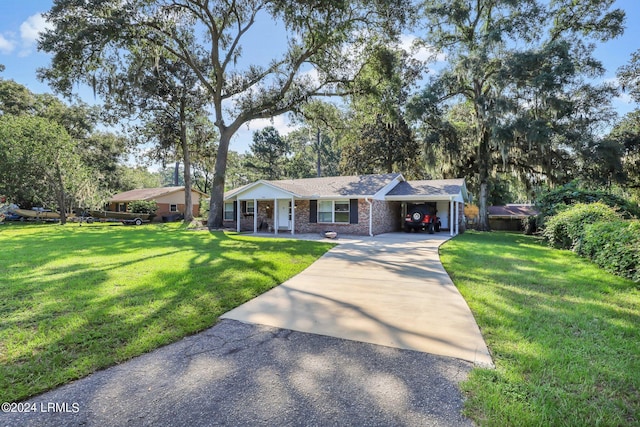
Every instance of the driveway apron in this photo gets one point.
(388, 290)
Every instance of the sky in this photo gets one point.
(21, 22)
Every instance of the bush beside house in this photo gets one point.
(598, 232)
(614, 246)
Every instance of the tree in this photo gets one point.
(520, 67)
(380, 139)
(100, 151)
(89, 39)
(629, 76)
(39, 163)
(625, 136)
(164, 93)
(15, 99)
(268, 156)
(382, 147)
(315, 145)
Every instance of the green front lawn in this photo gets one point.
(564, 335)
(76, 299)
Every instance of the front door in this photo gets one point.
(284, 215)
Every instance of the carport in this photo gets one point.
(448, 195)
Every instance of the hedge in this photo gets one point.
(565, 230)
(614, 246)
(556, 200)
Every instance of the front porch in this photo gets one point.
(266, 216)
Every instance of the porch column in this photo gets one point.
(275, 216)
(451, 217)
(455, 206)
(238, 214)
(255, 216)
(293, 216)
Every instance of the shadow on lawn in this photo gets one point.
(85, 298)
(562, 332)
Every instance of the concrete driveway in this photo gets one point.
(389, 290)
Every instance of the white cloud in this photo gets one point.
(623, 97)
(281, 123)
(31, 28)
(420, 50)
(6, 46)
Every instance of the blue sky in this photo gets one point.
(20, 22)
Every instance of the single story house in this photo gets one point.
(170, 200)
(510, 217)
(359, 205)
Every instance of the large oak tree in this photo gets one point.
(520, 65)
(322, 49)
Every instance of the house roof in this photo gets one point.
(327, 187)
(513, 210)
(147, 193)
(428, 189)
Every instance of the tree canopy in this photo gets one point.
(89, 40)
(521, 67)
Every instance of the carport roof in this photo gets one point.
(437, 189)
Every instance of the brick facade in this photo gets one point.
(387, 217)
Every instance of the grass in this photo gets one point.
(77, 299)
(564, 335)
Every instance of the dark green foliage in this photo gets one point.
(614, 246)
(143, 206)
(566, 229)
(268, 154)
(557, 199)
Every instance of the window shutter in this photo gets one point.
(313, 211)
(243, 206)
(235, 210)
(353, 211)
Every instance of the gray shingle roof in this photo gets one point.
(334, 186)
(513, 210)
(429, 188)
(146, 193)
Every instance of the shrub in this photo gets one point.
(565, 230)
(614, 246)
(555, 200)
(143, 206)
(204, 208)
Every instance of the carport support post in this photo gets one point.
(455, 206)
(255, 216)
(238, 214)
(293, 216)
(276, 214)
(451, 217)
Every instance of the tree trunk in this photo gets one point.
(483, 178)
(186, 158)
(216, 204)
(60, 195)
(318, 164)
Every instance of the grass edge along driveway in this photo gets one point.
(564, 335)
(77, 299)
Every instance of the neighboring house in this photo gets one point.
(359, 205)
(170, 200)
(510, 217)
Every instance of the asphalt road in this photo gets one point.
(237, 374)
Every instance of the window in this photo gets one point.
(333, 211)
(173, 208)
(122, 207)
(341, 211)
(249, 207)
(228, 211)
